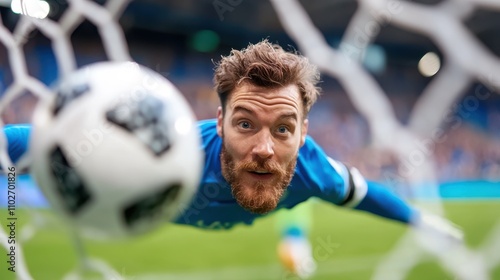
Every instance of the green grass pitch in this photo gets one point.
(347, 245)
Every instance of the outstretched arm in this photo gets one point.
(377, 199)
(334, 182)
(380, 201)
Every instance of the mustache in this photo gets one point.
(268, 165)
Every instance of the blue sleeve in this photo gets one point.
(318, 175)
(380, 201)
(17, 140)
(334, 182)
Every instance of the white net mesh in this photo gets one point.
(467, 61)
(104, 17)
(59, 33)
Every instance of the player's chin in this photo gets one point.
(258, 199)
(261, 209)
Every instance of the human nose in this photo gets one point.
(264, 147)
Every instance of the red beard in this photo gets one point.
(262, 196)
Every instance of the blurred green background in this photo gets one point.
(346, 244)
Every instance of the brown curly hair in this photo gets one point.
(267, 65)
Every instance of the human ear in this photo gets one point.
(305, 125)
(220, 121)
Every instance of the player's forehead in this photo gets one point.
(251, 99)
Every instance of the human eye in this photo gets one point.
(244, 125)
(283, 129)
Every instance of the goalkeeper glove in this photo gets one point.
(435, 232)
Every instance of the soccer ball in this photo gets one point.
(116, 150)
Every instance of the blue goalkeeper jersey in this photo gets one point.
(316, 175)
(214, 207)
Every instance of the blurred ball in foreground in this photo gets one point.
(116, 150)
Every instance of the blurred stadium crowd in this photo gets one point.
(469, 150)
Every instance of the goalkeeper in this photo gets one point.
(258, 157)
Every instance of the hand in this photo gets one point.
(436, 233)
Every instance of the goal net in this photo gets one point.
(25, 87)
(413, 144)
(412, 147)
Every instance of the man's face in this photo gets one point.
(262, 131)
